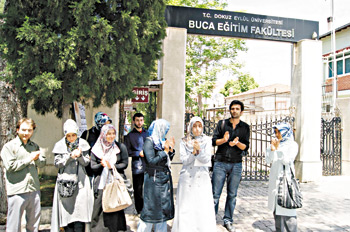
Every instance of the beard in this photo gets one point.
(138, 127)
(233, 116)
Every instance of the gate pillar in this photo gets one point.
(306, 91)
(171, 102)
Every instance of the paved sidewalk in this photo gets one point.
(326, 207)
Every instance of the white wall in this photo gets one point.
(343, 104)
(50, 130)
(342, 41)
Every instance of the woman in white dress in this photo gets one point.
(282, 151)
(194, 200)
(71, 157)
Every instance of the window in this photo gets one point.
(343, 64)
(347, 65)
(340, 67)
(330, 69)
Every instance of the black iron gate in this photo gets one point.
(254, 166)
(331, 152)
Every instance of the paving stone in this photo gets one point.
(326, 207)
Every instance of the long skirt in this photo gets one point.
(105, 222)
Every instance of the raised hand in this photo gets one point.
(196, 147)
(226, 136)
(274, 144)
(234, 142)
(76, 153)
(35, 155)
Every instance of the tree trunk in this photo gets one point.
(199, 104)
(10, 113)
(121, 121)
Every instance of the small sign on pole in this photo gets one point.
(141, 94)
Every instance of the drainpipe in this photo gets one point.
(335, 76)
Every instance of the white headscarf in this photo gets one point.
(64, 146)
(188, 139)
(70, 126)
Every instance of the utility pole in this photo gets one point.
(335, 79)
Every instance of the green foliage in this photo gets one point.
(243, 83)
(64, 51)
(204, 58)
(2, 4)
(208, 4)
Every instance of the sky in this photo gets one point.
(270, 62)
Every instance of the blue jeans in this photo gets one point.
(233, 173)
(147, 227)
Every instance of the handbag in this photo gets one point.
(289, 195)
(115, 196)
(67, 183)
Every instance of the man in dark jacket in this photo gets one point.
(134, 143)
(232, 138)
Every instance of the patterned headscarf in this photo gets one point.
(188, 140)
(285, 130)
(102, 146)
(100, 119)
(157, 131)
(70, 126)
(107, 151)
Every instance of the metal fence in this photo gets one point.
(331, 142)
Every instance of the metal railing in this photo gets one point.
(331, 143)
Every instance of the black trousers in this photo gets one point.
(75, 227)
(106, 222)
(137, 181)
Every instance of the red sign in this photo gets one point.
(141, 95)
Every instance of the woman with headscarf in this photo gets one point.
(158, 205)
(194, 199)
(105, 153)
(71, 157)
(282, 151)
(93, 133)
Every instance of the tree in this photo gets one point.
(204, 58)
(243, 83)
(11, 111)
(64, 51)
(209, 4)
(203, 63)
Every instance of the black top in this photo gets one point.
(91, 137)
(225, 152)
(121, 164)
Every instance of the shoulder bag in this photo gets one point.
(67, 183)
(115, 196)
(289, 195)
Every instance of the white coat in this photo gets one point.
(284, 155)
(194, 209)
(79, 206)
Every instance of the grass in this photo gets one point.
(47, 187)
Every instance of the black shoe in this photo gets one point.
(229, 227)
